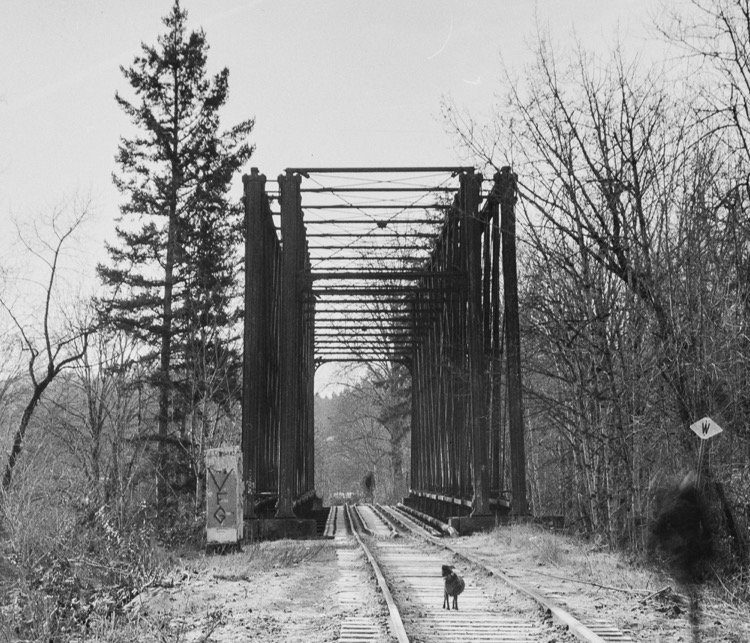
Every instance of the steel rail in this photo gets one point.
(397, 624)
(559, 615)
(404, 564)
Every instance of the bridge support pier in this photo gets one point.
(466, 525)
(280, 528)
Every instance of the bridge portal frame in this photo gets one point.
(453, 344)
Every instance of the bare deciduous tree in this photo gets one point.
(52, 337)
(97, 417)
(631, 305)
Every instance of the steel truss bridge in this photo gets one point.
(415, 266)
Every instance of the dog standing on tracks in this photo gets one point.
(454, 585)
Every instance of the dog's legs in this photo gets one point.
(446, 601)
(455, 602)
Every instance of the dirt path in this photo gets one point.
(288, 591)
(282, 591)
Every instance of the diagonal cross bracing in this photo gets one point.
(368, 266)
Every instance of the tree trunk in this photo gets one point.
(166, 336)
(21, 431)
(164, 373)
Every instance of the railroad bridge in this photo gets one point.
(415, 266)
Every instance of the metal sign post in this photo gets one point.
(704, 429)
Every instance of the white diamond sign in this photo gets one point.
(706, 428)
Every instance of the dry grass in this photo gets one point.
(161, 619)
(147, 629)
(264, 556)
(254, 560)
(582, 559)
(68, 568)
(65, 564)
(633, 592)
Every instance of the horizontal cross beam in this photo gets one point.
(376, 206)
(380, 275)
(380, 224)
(368, 247)
(379, 235)
(418, 190)
(376, 170)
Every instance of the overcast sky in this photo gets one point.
(342, 82)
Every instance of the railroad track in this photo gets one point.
(406, 557)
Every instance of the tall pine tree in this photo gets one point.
(171, 270)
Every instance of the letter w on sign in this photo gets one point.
(705, 428)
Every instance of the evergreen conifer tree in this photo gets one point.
(171, 270)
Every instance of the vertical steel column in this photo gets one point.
(471, 237)
(292, 238)
(452, 359)
(271, 276)
(416, 400)
(253, 368)
(496, 353)
(309, 371)
(459, 396)
(506, 189)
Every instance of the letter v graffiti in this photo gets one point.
(220, 514)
